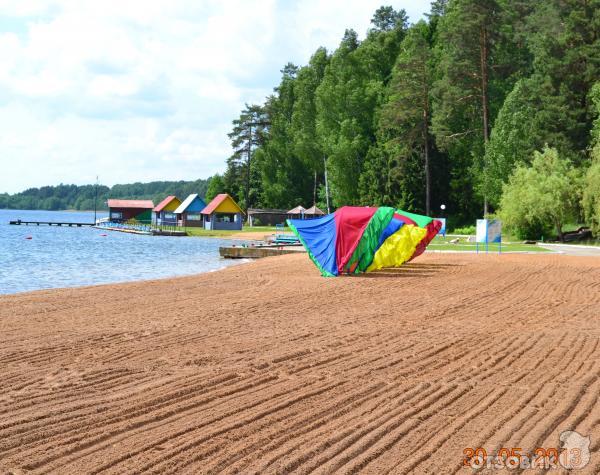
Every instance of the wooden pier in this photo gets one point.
(19, 222)
(256, 252)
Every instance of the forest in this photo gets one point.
(489, 107)
(75, 197)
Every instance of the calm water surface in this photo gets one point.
(69, 257)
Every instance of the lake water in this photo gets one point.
(69, 257)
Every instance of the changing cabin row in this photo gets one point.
(222, 213)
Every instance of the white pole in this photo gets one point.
(326, 185)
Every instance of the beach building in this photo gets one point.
(164, 212)
(266, 216)
(189, 212)
(123, 210)
(313, 212)
(223, 213)
(296, 213)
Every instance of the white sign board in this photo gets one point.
(481, 230)
(488, 230)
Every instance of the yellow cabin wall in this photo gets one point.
(173, 205)
(228, 206)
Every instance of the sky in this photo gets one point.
(146, 90)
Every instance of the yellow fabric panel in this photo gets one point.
(173, 205)
(228, 206)
(398, 248)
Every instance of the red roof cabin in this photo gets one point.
(164, 212)
(120, 211)
(223, 213)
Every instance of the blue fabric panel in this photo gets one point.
(319, 236)
(391, 228)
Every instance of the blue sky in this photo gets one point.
(146, 90)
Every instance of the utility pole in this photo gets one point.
(326, 185)
(249, 158)
(95, 199)
(483, 48)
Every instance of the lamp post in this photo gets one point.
(443, 208)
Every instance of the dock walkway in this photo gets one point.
(19, 222)
(256, 252)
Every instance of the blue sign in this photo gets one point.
(443, 229)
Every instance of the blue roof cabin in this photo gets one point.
(189, 213)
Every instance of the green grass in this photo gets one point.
(507, 247)
(442, 244)
(201, 232)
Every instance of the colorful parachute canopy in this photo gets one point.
(354, 239)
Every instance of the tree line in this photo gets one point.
(63, 197)
(441, 111)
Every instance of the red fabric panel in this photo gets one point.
(432, 229)
(350, 224)
(404, 219)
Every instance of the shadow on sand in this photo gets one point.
(409, 270)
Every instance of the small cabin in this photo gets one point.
(189, 212)
(120, 211)
(223, 213)
(164, 212)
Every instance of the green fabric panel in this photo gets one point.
(420, 219)
(365, 250)
(324, 273)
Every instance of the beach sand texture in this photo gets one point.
(268, 367)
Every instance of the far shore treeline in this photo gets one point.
(65, 197)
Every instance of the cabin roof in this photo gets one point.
(141, 204)
(160, 206)
(187, 202)
(297, 210)
(218, 201)
(313, 210)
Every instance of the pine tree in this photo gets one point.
(461, 121)
(405, 118)
(247, 134)
(286, 178)
(304, 117)
(348, 99)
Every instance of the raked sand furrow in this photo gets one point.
(333, 425)
(122, 423)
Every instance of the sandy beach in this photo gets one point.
(269, 368)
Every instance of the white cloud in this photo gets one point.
(135, 90)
